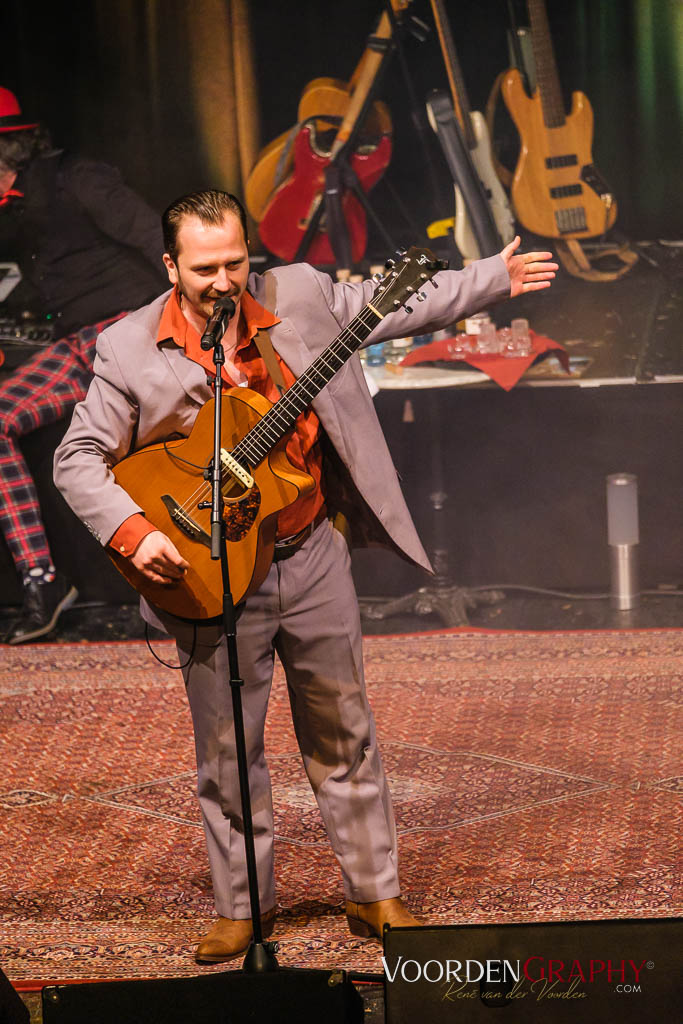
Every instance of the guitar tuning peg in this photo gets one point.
(401, 253)
(433, 282)
(420, 296)
(378, 278)
(408, 309)
(389, 264)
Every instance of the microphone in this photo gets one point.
(223, 311)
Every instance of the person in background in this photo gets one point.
(89, 248)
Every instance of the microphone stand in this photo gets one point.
(260, 955)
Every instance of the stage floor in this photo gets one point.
(535, 778)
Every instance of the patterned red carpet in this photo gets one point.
(534, 777)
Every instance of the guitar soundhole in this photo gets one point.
(240, 515)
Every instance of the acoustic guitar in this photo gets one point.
(472, 243)
(556, 190)
(168, 480)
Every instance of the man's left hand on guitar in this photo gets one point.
(529, 271)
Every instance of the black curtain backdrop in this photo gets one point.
(113, 80)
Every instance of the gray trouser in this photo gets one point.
(306, 611)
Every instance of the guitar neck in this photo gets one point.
(365, 75)
(547, 78)
(263, 437)
(454, 72)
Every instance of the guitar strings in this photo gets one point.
(250, 448)
(287, 406)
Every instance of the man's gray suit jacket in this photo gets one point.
(143, 393)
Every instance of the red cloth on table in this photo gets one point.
(504, 370)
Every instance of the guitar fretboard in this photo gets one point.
(263, 437)
(547, 79)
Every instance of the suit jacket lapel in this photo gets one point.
(190, 375)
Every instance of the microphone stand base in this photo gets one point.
(261, 958)
(451, 603)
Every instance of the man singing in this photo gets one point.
(150, 382)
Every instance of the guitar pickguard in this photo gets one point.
(240, 514)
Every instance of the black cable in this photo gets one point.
(540, 590)
(167, 664)
(187, 462)
(572, 597)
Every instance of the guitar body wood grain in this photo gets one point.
(152, 473)
(552, 159)
(331, 97)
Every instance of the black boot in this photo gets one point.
(43, 604)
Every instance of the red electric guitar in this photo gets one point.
(292, 206)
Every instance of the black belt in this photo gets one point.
(290, 545)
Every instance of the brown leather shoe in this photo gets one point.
(368, 919)
(228, 938)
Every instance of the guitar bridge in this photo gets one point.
(570, 219)
(185, 522)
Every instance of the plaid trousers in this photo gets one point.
(41, 391)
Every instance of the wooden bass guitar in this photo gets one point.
(478, 142)
(556, 190)
(168, 480)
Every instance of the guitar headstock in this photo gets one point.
(404, 278)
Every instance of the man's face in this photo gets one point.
(213, 261)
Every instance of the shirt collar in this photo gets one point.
(174, 327)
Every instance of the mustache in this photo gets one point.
(211, 296)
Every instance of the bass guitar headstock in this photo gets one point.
(404, 278)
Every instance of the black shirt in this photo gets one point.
(87, 245)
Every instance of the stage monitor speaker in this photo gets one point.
(557, 973)
(12, 1009)
(286, 996)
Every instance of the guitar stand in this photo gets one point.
(340, 176)
(583, 259)
(260, 955)
(441, 596)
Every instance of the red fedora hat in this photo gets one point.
(11, 119)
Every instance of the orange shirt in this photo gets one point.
(303, 447)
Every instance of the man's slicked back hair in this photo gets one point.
(209, 206)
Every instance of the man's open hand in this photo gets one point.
(157, 558)
(529, 271)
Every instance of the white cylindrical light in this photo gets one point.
(623, 538)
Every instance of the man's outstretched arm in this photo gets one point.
(529, 271)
